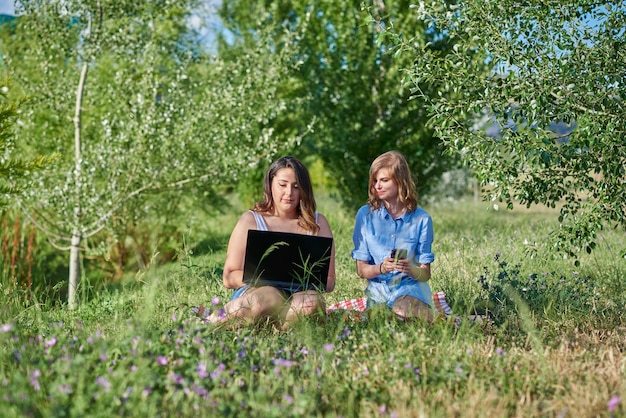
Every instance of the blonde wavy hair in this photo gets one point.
(400, 173)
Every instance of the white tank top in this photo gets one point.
(262, 226)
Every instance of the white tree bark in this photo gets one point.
(74, 270)
(74, 266)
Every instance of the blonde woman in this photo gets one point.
(393, 239)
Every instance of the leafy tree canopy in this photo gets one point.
(122, 91)
(348, 85)
(546, 124)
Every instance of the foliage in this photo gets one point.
(135, 107)
(546, 124)
(12, 169)
(354, 98)
(506, 288)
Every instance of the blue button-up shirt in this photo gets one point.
(376, 233)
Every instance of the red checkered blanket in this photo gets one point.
(359, 304)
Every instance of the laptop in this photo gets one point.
(293, 262)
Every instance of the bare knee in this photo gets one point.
(305, 303)
(410, 307)
(255, 303)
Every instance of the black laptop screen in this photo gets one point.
(293, 262)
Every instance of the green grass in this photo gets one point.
(555, 346)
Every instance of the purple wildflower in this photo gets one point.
(161, 360)
(288, 399)
(218, 371)
(202, 372)
(176, 378)
(283, 362)
(614, 403)
(34, 379)
(6, 328)
(65, 389)
(215, 301)
(329, 347)
(104, 383)
(199, 390)
(500, 351)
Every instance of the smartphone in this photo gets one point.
(398, 254)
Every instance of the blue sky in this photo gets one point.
(6, 7)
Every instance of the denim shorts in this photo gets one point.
(389, 287)
(237, 293)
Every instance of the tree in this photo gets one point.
(348, 84)
(124, 92)
(551, 66)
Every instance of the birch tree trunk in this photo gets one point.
(74, 267)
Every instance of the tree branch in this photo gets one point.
(39, 225)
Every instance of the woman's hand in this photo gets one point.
(420, 273)
(399, 265)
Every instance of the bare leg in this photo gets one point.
(410, 307)
(303, 304)
(252, 305)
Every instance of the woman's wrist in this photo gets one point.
(419, 273)
(380, 268)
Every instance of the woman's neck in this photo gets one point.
(283, 215)
(395, 208)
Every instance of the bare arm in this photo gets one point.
(325, 231)
(368, 271)
(233, 266)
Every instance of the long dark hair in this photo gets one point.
(400, 173)
(306, 206)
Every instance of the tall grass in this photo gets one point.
(554, 345)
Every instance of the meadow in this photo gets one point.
(554, 344)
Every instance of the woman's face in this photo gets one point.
(285, 191)
(385, 187)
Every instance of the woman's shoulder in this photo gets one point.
(324, 225)
(420, 213)
(247, 219)
(364, 210)
(320, 218)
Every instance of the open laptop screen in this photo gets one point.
(289, 261)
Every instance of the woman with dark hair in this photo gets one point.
(393, 239)
(288, 205)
